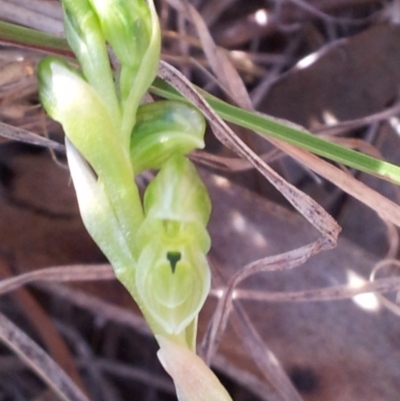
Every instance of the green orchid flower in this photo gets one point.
(157, 245)
(172, 275)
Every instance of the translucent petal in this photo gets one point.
(171, 290)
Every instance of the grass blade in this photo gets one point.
(264, 125)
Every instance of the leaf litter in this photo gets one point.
(231, 82)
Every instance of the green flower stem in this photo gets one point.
(193, 379)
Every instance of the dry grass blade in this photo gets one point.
(21, 135)
(280, 387)
(333, 293)
(32, 16)
(230, 164)
(392, 306)
(387, 209)
(98, 307)
(216, 58)
(344, 126)
(60, 274)
(50, 8)
(39, 361)
(311, 210)
(44, 327)
(384, 207)
(288, 260)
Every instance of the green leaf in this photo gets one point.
(30, 38)
(287, 133)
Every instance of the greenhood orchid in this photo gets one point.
(157, 245)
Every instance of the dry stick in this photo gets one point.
(264, 358)
(216, 56)
(223, 68)
(21, 135)
(344, 126)
(229, 164)
(45, 328)
(305, 205)
(32, 19)
(392, 306)
(104, 310)
(302, 4)
(44, 7)
(39, 361)
(105, 272)
(284, 261)
(310, 209)
(261, 355)
(279, 386)
(384, 207)
(60, 274)
(334, 293)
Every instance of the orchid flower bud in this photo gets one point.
(162, 129)
(84, 35)
(88, 124)
(126, 26)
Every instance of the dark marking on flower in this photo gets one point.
(173, 258)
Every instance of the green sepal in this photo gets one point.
(98, 215)
(103, 226)
(163, 129)
(86, 120)
(85, 117)
(177, 193)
